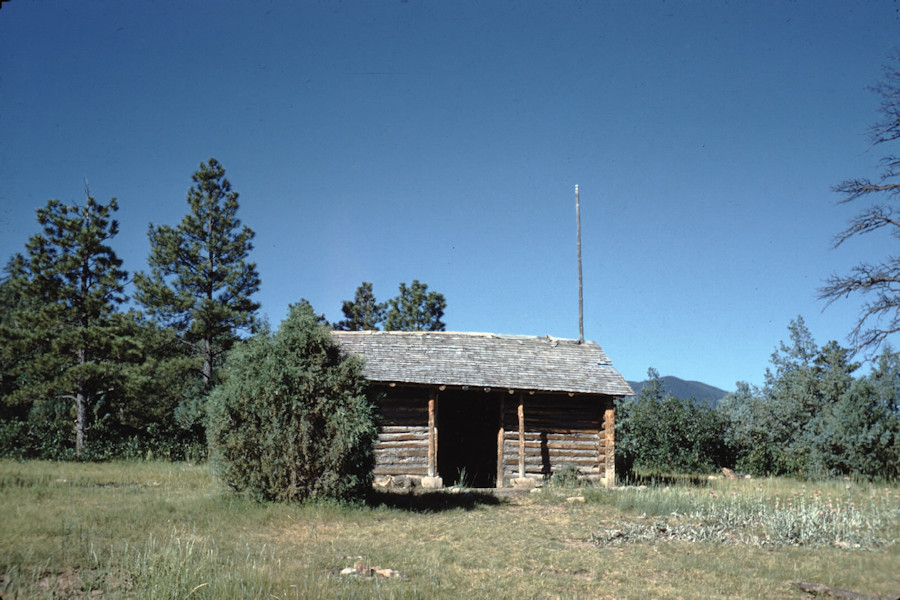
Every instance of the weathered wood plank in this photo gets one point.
(421, 444)
(423, 429)
(564, 445)
(610, 446)
(500, 446)
(432, 435)
(385, 454)
(400, 470)
(402, 439)
(535, 463)
(401, 459)
(532, 434)
(521, 428)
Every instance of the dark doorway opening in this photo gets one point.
(468, 422)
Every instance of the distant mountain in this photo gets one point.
(705, 393)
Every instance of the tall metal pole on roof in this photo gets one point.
(580, 285)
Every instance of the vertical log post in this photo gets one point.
(521, 436)
(609, 426)
(501, 436)
(432, 435)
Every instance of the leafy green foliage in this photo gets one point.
(363, 313)
(200, 282)
(291, 419)
(415, 309)
(664, 434)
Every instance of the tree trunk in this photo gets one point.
(80, 411)
(80, 424)
(207, 364)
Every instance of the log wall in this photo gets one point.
(560, 432)
(402, 446)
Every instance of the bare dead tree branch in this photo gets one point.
(878, 283)
(820, 589)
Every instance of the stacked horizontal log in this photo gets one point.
(402, 446)
(558, 434)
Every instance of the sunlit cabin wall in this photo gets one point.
(402, 446)
(560, 432)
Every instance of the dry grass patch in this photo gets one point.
(155, 530)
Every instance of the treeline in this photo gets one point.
(812, 417)
(87, 372)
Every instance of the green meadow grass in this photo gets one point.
(163, 530)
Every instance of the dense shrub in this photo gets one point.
(661, 433)
(291, 419)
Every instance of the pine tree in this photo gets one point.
(200, 282)
(63, 339)
(415, 309)
(363, 313)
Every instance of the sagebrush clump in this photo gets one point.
(292, 419)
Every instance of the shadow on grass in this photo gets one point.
(437, 501)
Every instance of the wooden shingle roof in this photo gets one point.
(485, 360)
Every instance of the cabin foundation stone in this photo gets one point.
(432, 483)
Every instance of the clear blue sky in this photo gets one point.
(441, 141)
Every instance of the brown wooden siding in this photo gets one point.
(559, 432)
(402, 446)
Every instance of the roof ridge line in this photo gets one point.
(483, 334)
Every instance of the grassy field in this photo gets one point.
(159, 530)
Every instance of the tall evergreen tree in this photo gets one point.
(415, 309)
(363, 313)
(790, 425)
(63, 338)
(860, 432)
(200, 281)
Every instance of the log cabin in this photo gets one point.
(488, 410)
